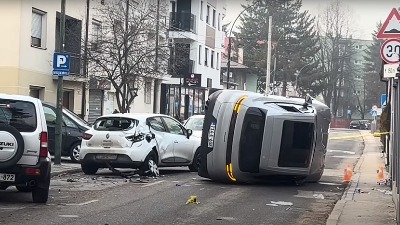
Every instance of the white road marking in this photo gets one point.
(282, 203)
(69, 216)
(342, 151)
(83, 203)
(327, 183)
(271, 204)
(157, 182)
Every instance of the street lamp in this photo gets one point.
(228, 64)
(275, 49)
(297, 73)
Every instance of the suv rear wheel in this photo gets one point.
(12, 147)
(40, 193)
(24, 188)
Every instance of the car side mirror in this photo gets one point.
(189, 132)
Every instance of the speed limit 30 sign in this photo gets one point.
(390, 51)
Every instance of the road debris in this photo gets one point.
(318, 196)
(282, 203)
(192, 199)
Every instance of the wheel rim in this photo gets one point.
(153, 168)
(76, 151)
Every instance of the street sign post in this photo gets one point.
(391, 27)
(61, 64)
(390, 51)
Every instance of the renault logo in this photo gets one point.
(107, 136)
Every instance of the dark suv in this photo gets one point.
(73, 129)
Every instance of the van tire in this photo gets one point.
(194, 167)
(314, 178)
(20, 142)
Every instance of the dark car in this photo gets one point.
(355, 124)
(73, 129)
(365, 124)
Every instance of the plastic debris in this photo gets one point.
(193, 200)
(318, 196)
(268, 204)
(282, 203)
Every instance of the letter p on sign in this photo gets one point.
(61, 60)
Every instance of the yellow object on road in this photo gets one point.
(192, 199)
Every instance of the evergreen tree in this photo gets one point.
(374, 88)
(294, 43)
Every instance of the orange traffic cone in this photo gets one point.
(380, 175)
(348, 173)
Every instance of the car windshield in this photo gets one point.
(354, 122)
(75, 117)
(114, 124)
(19, 114)
(195, 123)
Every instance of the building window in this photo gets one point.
(206, 57)
(217, 60)
(214, 15)
(212, 59)
(219, 21)
(208, 15)
(201, 10)
(102, 2)
(36, 92)
(38, 28)
(209, 83)
(147, 94)
(200, 54)
(96, 29)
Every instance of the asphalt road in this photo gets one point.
(108, 199)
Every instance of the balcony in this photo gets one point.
(180, 68)
(182, 21)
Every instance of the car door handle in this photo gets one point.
(176, 142)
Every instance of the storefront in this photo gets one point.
(192, 101)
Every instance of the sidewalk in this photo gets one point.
(65, 167)
(374, 205)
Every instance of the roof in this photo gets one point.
(133, 115)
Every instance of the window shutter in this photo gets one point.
(36, 30)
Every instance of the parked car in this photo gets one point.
(141, 141)
(355, 124)
(24, 158)
(195, 123)
(365, 124)
(249, 137)
(73, 129)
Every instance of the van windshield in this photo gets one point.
(19, 114)
(114, 124)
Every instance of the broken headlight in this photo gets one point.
(135, 138)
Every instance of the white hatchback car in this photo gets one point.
(143, 141)
(195, 123)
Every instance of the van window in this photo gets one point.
(114, 124)
(19, 114)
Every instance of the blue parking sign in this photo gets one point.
(61, 64)
(383, 100)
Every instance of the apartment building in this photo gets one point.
(195, 38)
(32, 36)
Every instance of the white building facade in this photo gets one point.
(196, 41)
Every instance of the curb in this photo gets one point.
(68, 171)
(348, 193)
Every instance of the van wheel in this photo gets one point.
(89, 169)
(24, 188)
(74, 152)
(149, 166)
(314, 178)
(13, 136)
(194, 167)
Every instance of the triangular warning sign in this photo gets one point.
(391, 27)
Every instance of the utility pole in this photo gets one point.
(268, 73)
(125, 89)
(85, 61)
(156, 56)
(59, 114)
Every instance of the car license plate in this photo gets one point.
(7, 177)
(106, 156)
(107, 143)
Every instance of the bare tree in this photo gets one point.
(124, 51)
(335, 47)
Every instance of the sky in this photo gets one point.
(364, 14)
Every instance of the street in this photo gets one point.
(106, 198)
